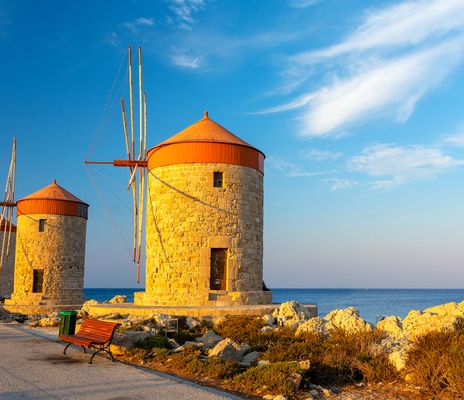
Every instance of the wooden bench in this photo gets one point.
(93, 334)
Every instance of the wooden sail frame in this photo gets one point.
(7, 207)
(135, 162)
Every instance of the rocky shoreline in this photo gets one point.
(289, 354)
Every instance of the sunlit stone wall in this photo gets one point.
(186, 217)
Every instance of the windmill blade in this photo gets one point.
(140, 105)
(131, 100)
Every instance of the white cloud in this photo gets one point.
(186, 61)
(457, 139)
(341, 184)
(403, 24)
(137, 23)
(399, 165)
(289, 169)
(382, 69)
(112, 39)
(303, 3)
(184, 11)
(319, 155)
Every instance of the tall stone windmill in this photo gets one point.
(204, 206)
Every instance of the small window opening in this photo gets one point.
(42, 225)
(37, 281)
(218, 181)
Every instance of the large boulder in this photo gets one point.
(250, 359)
(417, 323)
(118, 299)
(209, 339)
(227, 349)
(86, 306)
(392, 326)
(48, 322)
(347, 320)
(192, 322)
(124, 341)
(397, 350)
(291, 313)
(316, 326)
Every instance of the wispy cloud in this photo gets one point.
(112, 38)
(289, 169)
(456, 139)
(398, 165)
(302, 3)
(184, 12)
(138, 23)
(341, 184)
(186, 61)
(383, 68)
(319, 155)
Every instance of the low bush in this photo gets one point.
(152, 342)
(242, 329)
(272, 378)
(436, 361)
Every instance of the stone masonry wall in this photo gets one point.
(186, 217)
(59, 251)
(7, 272)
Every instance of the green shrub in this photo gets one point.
(272, 378)
(152, 342)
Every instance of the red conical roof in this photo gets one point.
(205, 130)
(53, 192)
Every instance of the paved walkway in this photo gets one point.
(32, 367)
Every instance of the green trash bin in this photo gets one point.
(68, 322)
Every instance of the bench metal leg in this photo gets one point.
(66, 348)
(102, 348)
(83, 349)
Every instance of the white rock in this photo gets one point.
(118, 299)
(280, 397)
(124, 341)
(417, 324)
(209, 339)
(316, 326)
(268, 319)
(392, 326)
(49, 322)
(347, 320)
(227, 349)
(291, 313)
(86, 306)
(192, 323)
(263, 362)
(250, 359)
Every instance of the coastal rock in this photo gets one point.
(192, 323)
(296, 380)
(250, 359)
(227, 349)
(398, 359)
(118, 299)
(417, 324)
(49, 322)
(263, 362)
(452, 308)
(209, 339)
(291, 313)
(315, 325)
(86, 306)
(347, 320)
(124, 341)
(268, 319)
(392, 326)
(188, 344)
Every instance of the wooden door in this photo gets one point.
(218, 269)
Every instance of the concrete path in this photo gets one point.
(32, 367)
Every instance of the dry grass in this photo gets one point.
(436, 361)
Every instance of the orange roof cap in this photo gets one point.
(53, 192)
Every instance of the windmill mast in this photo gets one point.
(134, 162)
(7, 206)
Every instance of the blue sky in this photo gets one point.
(357, 105)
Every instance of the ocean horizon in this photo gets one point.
(372, 304)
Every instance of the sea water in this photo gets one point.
(372, 303)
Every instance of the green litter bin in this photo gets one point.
(68, 322)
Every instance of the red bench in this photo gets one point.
(93, 334)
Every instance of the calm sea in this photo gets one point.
(372, 303)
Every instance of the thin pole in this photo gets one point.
(145, 125)
(140, 104)
(131, 100)
(124, 123)
(13, 180)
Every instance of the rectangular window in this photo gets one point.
(218, 181)
(42, 225)
(37, 280)
(218, 269)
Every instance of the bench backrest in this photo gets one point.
(102, 330)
